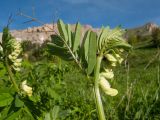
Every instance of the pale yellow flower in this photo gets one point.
(108, 74)
(106, 87)
(16, 68)
(119, 58)
(121, 50)
(17, 64)
(26, 88)
(18, 60)
(113, 64)
(111, 58)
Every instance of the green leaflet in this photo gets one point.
(5, 99)
(57, 40)
(59, 51)
(77, 37)
(53, 114)
(14, 115)
(18, 102)
(4, 112)
(85, 45)
(121, 44)
(69, 33)
(92, 52)
(47, 116)
(62, 30)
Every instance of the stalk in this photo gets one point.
(11, 75)
(99, 104)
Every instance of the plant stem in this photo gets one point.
(11, 75)
(99, 104)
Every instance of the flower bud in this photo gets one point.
(111, 58)
(17, 51)
(18, 60)
(16, 68)
(119, 58)
(17, 64)
(12, 58)
(121, 50)
(117, 55)
(108, 74)
(113, 64)
(14, 54)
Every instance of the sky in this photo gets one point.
(127, 13)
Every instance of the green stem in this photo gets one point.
(99, 104)
(11, 75)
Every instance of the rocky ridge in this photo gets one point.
(42, 33)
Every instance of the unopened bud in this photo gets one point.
(110, 57)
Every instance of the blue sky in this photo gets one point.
(127, 13)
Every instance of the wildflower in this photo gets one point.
(113, 64)
(119, 58)
(17, 64)
(16, 68)
(121, 50)
(26, 88)
(106, 87)
(108, 74)
(111, 58)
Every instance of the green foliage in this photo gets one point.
(77, 37)
(156, 37)
(144, 41)
(92, 51)
(5, 99)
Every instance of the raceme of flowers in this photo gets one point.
(16, 62)
(108, 74)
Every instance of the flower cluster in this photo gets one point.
(108, 73)
(16, 62)
(27, 90)
(103, 81)
(114, 58)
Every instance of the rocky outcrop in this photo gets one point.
(43, 33)
(144, 30)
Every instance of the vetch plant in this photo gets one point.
(25, 93)
(10, 51)
(108, 44)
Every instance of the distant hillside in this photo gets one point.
(144, 30)
(43, 33)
